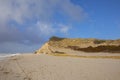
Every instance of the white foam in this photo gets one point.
(4, 55)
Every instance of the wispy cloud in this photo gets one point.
(45, 29)
(27, 21)
(64, 28)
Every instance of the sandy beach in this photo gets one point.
(49, 67)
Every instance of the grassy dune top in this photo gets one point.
(86, 45)
(64, 42)
(80, 44)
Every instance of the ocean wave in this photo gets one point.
(4, 55)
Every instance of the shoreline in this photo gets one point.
(7, 55)
(80, 55)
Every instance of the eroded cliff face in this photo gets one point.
(65, 45)
(45, 49)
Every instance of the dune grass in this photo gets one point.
(78, 56)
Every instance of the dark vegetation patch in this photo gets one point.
(102, 48)
(99, 41)
(54, 38)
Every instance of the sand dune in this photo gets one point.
(48, 67)
(62, 45)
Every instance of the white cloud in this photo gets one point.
(64, 28)
(73, 11)
(19, 10)
(45, 29)
(33, 20)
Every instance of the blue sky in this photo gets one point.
(103, 19)
(25, 25)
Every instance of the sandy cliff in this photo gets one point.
(69, 45)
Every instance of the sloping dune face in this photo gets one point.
(60, 45)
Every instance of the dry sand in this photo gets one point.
(48, 67)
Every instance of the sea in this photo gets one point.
(5, 55)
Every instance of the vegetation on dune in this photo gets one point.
(99, 41)
(102, 48)
(80, 44)
(54, 38)
(63, 42)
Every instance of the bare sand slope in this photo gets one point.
(47, 67)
